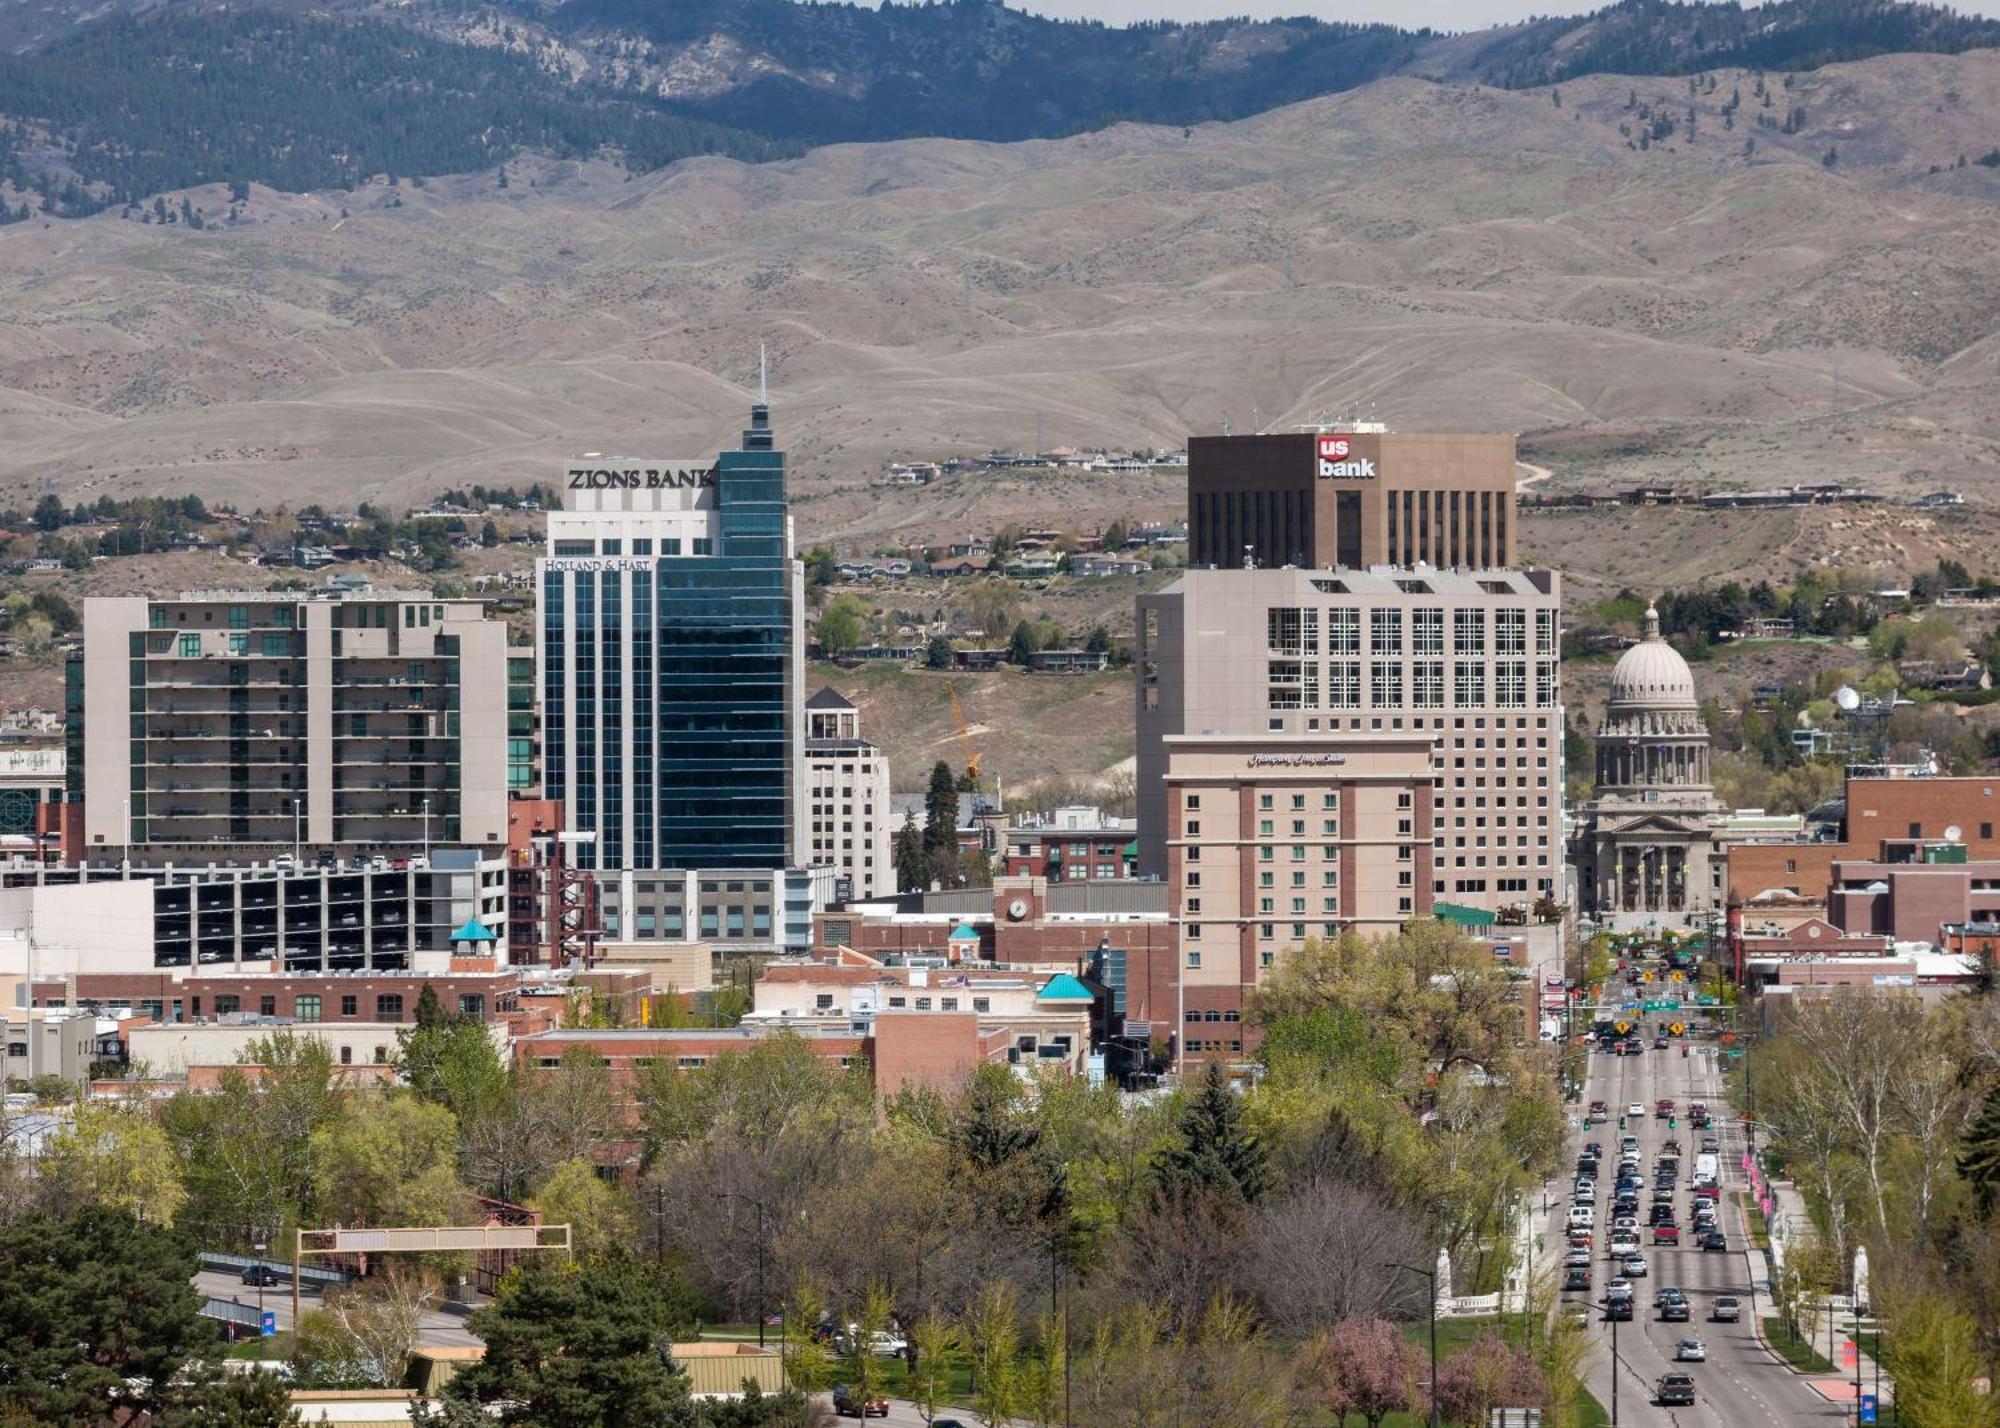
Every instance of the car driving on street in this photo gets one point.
(1674, 1390)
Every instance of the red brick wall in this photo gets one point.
(1886, 808)
(934, 1050)
(1756, 867)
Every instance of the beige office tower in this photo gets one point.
(235, 725)
(1465, 659)
(847, 786)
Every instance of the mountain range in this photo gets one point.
(1799, 283)
(111, 102)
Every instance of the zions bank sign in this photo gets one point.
(670, 476)
(1336, 461)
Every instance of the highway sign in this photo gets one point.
(1680, 976)
(1704, 1000)
(1664, 1004)
(1678, 1027)
(1623, 1027)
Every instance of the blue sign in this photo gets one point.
(1867, 1408)
(270, 1324)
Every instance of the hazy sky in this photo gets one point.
(1444, 14)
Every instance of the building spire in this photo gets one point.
(1652, 621)
(763, 377)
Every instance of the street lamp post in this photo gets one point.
(1614, 1360)
(260, 1247)
(1430, 1278)
(758, 1206)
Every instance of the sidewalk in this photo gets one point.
(1788, 1222)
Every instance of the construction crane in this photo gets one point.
(964, 737)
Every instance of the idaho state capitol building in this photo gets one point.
(1648, 843)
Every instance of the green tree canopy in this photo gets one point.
(578, 1346)
(1217, 1152)
(98, 1313)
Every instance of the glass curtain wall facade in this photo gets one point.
(669, 632)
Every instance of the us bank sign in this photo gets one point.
(1337, 464)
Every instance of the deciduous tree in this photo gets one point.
(116, 1158)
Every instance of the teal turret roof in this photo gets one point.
(1064, 988)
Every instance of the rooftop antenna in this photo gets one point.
(763, 377)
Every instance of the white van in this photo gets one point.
(1707, 1168)
(1582, 1217)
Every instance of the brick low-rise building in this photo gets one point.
(898, 1049)
(1918, 855)
(1044, 1018)
(1072, 845)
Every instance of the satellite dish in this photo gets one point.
(1953, 833)
(1846, 698)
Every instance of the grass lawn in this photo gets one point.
(278, 1346)
(1754, 1218)
(1800, 1354)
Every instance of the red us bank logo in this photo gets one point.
(1334, 463)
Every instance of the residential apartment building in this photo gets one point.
(1351, 497)
(1075, 844)
(847, 787)
(232, 725)
(1466, 660)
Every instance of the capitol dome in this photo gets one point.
(1652, 674)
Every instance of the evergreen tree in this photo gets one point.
(217, 1399)
(938, 653)
(941, 811)
(913, 865)
(98, 1315)
(1979, 1158)
(1024, 646)
(1217, 1153)
(581, 1346)
(430, 1011)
